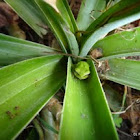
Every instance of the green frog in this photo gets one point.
(81, 70)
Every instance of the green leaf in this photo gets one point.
(47, 126)
(124, 71)
(120, 10)
(126, 43)
(122, 13)
(113, 97)
(72, 42)
(117, 120)
(14, 49)
(25, 88)
(89, 11)
(58, 24)
(48, 123)
(85, 113)
(60, 6)
(30, 13)
(39, 129)
(70, 15)
(32, 135)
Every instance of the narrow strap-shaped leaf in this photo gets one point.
(25, 73)
(114, 98)
(124, 12)
(72, 42)
(85, 113)
(70, 15)
(32, 135)
(59, 26)
(123, 71)
(47, 126)
(60, 7)
(30, 12)
(125, 43)
(89, 11)
(14, 49)
(25, 88)
(121, 9)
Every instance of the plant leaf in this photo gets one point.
(58, 25)
(89, 11)
(32, 135)
(124, 71)
(122, 13)
(30, 13)
(25, 88)
(48, 124)
(57, 16)
(125, 43)
(113, 97)
(120, 10)
(81, 119)
(60, 7)
(117, 120)
(39, 129)
(70, 15)
(14, 49)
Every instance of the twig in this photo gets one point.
(94, 59)
(30, 126)
(66, 54)
(123, 133)
(137, 101)
(121, 112)
(75, 56)
(124, 97)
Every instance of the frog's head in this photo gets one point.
(81, 70)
